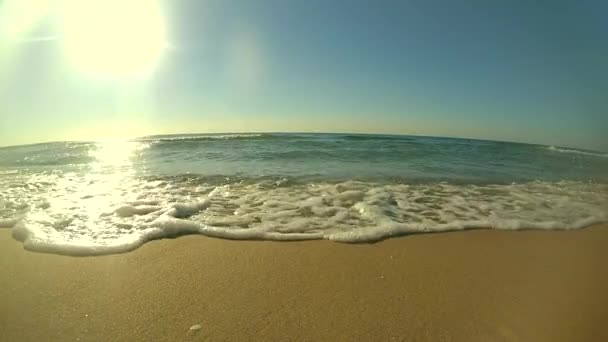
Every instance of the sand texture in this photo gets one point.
(478, 285)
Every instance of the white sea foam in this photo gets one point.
(117, 212)
(569, 150)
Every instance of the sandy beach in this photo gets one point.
(476, 285)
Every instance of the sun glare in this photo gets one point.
(18, 18)
(113, 38)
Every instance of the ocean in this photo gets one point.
(89, 198)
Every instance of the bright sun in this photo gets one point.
(113, 38)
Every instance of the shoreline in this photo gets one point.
(477, 284)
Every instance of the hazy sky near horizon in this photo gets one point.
(505, 70)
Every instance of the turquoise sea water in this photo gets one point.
(104, 197)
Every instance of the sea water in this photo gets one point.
(86, 198)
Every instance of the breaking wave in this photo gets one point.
(569, 150)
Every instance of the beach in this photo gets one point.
(476, 285)
(303, 171)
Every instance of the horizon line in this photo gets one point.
(135, 138)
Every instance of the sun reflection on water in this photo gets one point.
(116, 153)
(111, 174)
(83, 201)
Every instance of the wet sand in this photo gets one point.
(476, 285)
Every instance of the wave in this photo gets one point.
(206, 137)
(373, 137)
(569, 150)
(120, 215)
(288, 136)
(47, 161)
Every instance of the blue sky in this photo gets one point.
(505, 70)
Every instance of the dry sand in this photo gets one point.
(464, 286)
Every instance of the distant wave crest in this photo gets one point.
(213, 137)
(370, 137)
(568, 150)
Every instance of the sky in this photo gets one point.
(527, 71)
